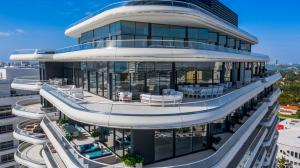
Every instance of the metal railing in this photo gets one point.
(173, 3)
(50, 157)
(71, 151)
(116, 108)
(29, 80)
(23, 105)
(22, 155)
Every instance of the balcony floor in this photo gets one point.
(34, 152)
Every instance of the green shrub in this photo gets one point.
(69, 137)
(95, 134)
(131, 159)
(62, 121)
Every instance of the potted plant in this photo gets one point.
(132, 160)
(139, 161)
(69, 137)
(128, 161)
(95, 134)
(62, 121)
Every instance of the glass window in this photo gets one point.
(128, 27)
(115, 28)
(163, 144)
(177, 32)
(212, 38)
(7, 158)
(6, 129)
(127, 41)
(101, 33)
(6, 145)
(199, 138)
(87, 37)
(142, 29)
(219, 126)
(197, 34)
(222, 40)
(231, 42)
(160, 30)
(237, 44)
(93, 82)
(245, 46)
(141, 42)
(183, 141)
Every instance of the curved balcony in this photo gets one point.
(51, 157)
(31, 83)
(144, 50)
(165, 10)
(30, 156)
(67, 152)
(30, 132)
(143, 116)
(31, 108)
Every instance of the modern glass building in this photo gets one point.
(175, 82)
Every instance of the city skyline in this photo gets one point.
(32, 30)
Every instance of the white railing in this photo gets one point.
(23, 155)
(20, 130)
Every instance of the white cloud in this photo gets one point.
(20, 31)
(5, 34)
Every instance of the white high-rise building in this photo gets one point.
(169, 83)
(8, 121)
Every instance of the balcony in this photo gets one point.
(273, 97)
(68, 152)
(30, 155)
(51, 157)
(175, 8)
(31, 83)
(260, 158)
(138, 50)
(270, 157)
(271, 116)
(31, 132)
(98, 111)
(31, 108)
(253, 148)
(226, 153)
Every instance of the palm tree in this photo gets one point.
(282, 162)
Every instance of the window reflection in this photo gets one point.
(163, 144)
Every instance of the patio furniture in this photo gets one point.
(71, 130)
(125, 96)
(162, 100)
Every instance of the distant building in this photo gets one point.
(289, 141)
(288, 110)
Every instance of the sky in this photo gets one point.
(40, 24)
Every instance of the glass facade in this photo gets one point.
(107, 79)
(159, 35)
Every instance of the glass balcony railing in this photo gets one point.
(22, 154)
(252, 150)
(29, 80)
(176, 109)
(173, 3)
(30, 129)
(74, 155)
(148, 43)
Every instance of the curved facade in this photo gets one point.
(181, 88)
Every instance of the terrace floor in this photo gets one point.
(34, 152)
